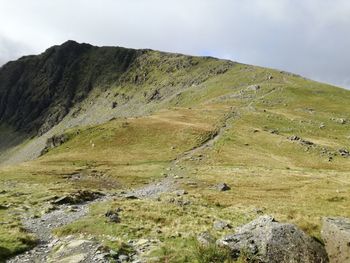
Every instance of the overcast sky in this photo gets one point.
(308, 37)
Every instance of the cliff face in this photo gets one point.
(36, 92)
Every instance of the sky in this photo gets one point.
(307, 37)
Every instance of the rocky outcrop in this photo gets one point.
(336, 235)
(78, 197)
(300, 140)
(54, 142)
(37, 92)
(267, 241)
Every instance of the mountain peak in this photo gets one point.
(69, 46)
(73, 43)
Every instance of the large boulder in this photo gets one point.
(336, 235)
(267, 241)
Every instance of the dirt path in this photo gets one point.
(208, 143)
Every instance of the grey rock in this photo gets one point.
(336, 235)
(113, 215)
(344, 152)
(101, 256)
(4, 207)
(131, 197)
(78, 197)
(258, 211)
(221, 225)
(180, 201)
(253, 87)
(54, 142)
(300, 140)
(123, 258)
(205, 239)
(113, 253)
(268, 241)
(186, 202)
(223, 187)
(341, 121)
(155, 95)
(294, 138)
(76, 250)
(181, 192)
(274, 131)
(305, 142)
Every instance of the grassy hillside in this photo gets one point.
(280, 142)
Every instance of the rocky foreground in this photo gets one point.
(263, 240)
(70, 208)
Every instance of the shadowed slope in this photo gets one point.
(36, 92)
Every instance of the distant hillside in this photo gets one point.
(74, 85)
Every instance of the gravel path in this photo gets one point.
(153, 190)
(42, 227)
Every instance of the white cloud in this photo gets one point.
(10, 49)
(309, 37)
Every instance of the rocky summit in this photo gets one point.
(110, 154)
